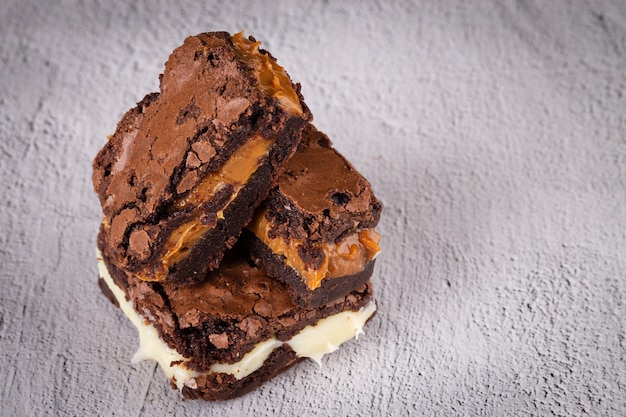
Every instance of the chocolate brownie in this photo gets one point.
(185, 169)
(315, 231)
(225, 336)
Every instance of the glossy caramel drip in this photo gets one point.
(273, 80)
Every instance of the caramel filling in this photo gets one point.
(346, 257)
(235, 172)
(273, 80)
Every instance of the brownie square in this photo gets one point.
(315, 231)
(229, 334)
(185, 169)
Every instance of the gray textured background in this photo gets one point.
(494, 132)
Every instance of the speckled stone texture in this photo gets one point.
(492, 131)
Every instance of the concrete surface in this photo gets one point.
(493, 131)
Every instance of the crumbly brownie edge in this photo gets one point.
(206, 254)
(219, 387)
(329, 290)
(338, 211)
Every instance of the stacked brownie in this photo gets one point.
(235, 238)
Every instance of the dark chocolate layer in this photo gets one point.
(217, 387)
(208, 106)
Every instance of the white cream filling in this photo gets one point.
(311, 342)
